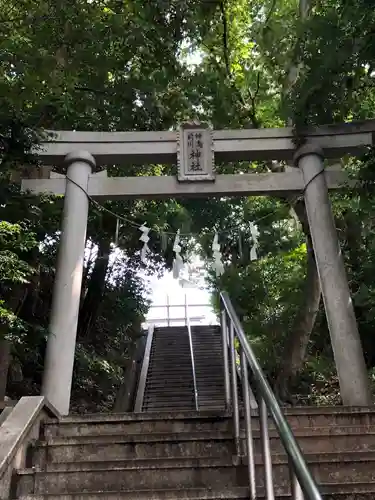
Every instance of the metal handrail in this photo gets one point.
(226, 345)
(303, 480)
(192, 356)
(144, 371)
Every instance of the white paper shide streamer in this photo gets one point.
(145, 239)
(255, 242)
(178, 263)
(117, 231)
(218, 264)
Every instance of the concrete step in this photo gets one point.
(202, 348)
(172, 362)
(170, 370)
(147, 463)
(215, 388)
(173, 351)
(169, 386)
(213, 398)
(170, 393)
(188, 444)
(211, 405)
(142, 423)
(210, 372)
(169, 365)
(348, 491)
(170, 341)
(203, 343)
(166, 421)
(172, 378)
(326, 440)
(165, 494)
(163, 356)
(151, 406)
(167, 401)
(172, 400)
(171, 347)
(214, 352)
(133, 474)
(164, 397)
(313, 416)
(184, 473)
(159, 386)
(207, 365)
(176, 378)
(210, 348)
(165, 383)
(64, 450)
(303, 417)
(210, 396)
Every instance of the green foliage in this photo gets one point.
(141, 65)
(336, 50)
(82, 66)
(14, 242)
(102, 353)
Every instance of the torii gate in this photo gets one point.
(195, 148)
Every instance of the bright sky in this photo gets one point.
(198, 300)
(167, 289)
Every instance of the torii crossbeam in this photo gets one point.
(229, 145)
(195, 149)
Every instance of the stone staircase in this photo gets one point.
(190, 455)
(208, 357)
(169, 382)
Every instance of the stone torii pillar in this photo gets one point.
(59, 359)
(346, 344)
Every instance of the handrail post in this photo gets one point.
(266, 451)
(224, 337)
(249, 431)
(235, 409)
(296, 490)
(186, 310)
(191, 355)
(270, 403)
(168, 317)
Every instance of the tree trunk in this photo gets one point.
(295, 349)
(95, 290)
(14, 304)
(5, 349)
(353, 233)
(126, 392)
(294, 352)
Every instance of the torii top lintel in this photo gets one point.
(229, 145)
